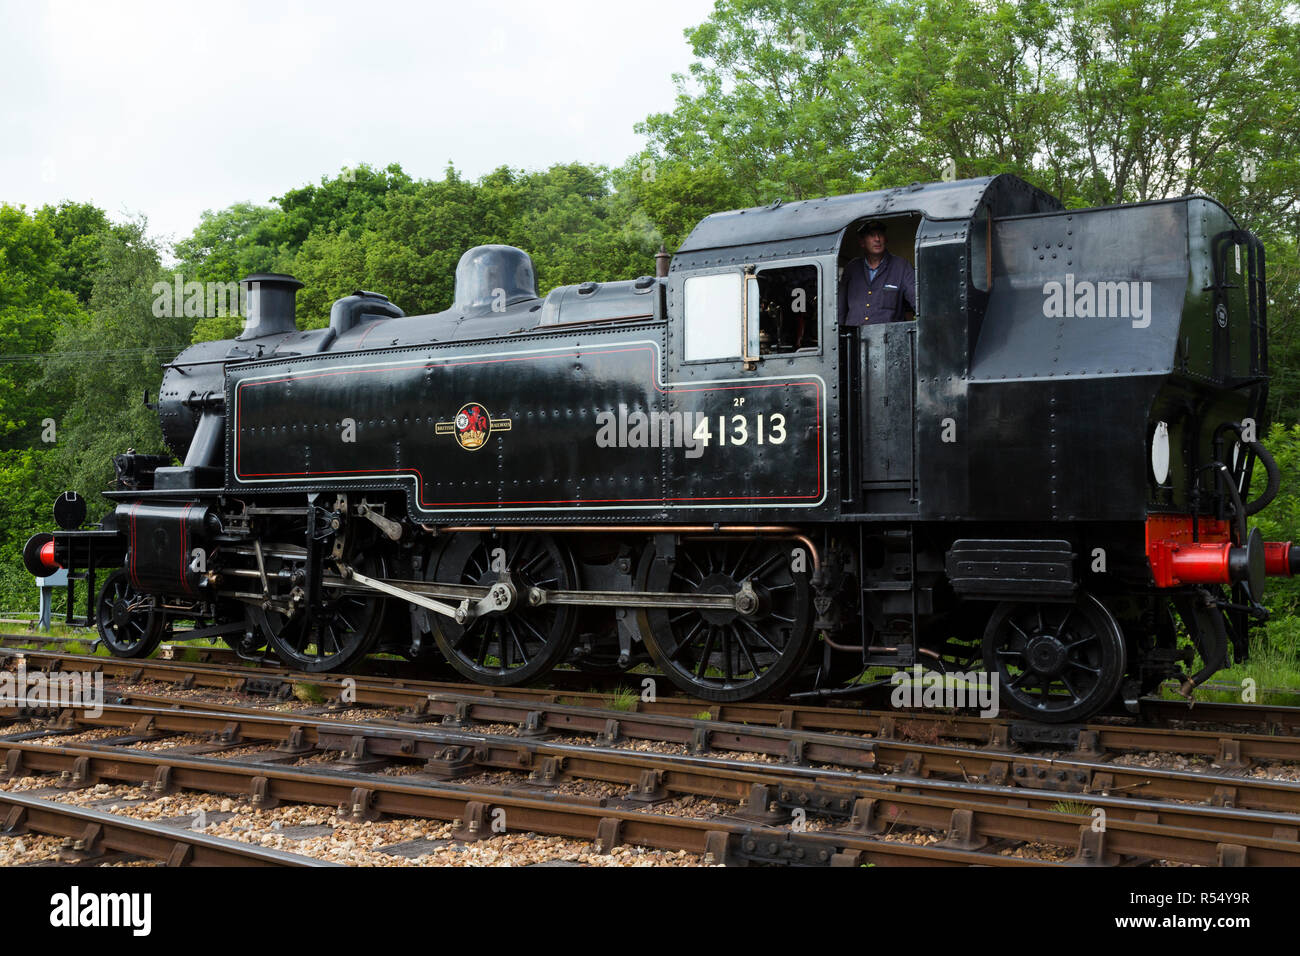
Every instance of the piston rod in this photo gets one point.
(477, 601)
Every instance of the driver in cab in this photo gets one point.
(876, 287)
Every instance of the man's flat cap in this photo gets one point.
(871, 225)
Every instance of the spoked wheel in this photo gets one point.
(129, 622)
(722, 654)
(1056, 662)
(341, 632)
(524, 643)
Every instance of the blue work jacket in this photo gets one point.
(887, 299)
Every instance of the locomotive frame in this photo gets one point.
(1017, 476)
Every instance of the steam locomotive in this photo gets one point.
(1046, 470)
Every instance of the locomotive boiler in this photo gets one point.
(1047, 470)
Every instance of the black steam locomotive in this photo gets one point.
(1044, 471)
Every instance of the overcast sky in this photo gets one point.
(167, 109)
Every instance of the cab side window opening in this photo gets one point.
(713, 315)
(900, 241)
(788, 309)
(900, 238)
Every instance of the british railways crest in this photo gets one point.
(472, 426)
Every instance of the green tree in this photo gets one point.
(79, 229)
(567, 218)
(108, 361)
(246, 237)
(768, 99)
(32, 307)
(231, 243)
(340, 203)
(42, 260)
(28, 486)
(1097, 101)
(662, 200)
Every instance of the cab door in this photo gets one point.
(885, 366)
(881, 361)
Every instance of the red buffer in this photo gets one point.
(1184, 552)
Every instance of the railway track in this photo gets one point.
(1269, 719)
(362, 796)
(770, 792)
(371, 666)
(1272, 733)
(971, 817)
(859, 774)
(91, 835)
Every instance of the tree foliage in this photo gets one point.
(1099, 101)
(79, 230)
(1096, 101)
(32, 306)
(404, 238)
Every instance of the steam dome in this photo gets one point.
(493, 276)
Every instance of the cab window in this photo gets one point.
(788, 309)
(714, 321)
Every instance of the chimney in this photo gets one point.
(269, 301)
(662, 258)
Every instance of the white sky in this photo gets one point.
(167, 108)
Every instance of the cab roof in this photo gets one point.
(826, 218)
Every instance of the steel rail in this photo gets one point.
(802, 716)
(727, 841)
(90, 833)
(1184, 833)
(1023, 771)
(1228, 749)
(237, 675)
(911, 757)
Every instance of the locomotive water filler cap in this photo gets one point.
(488, 276)
(270, 304)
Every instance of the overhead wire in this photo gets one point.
(20, 357)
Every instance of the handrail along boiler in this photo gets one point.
(1043, 471)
